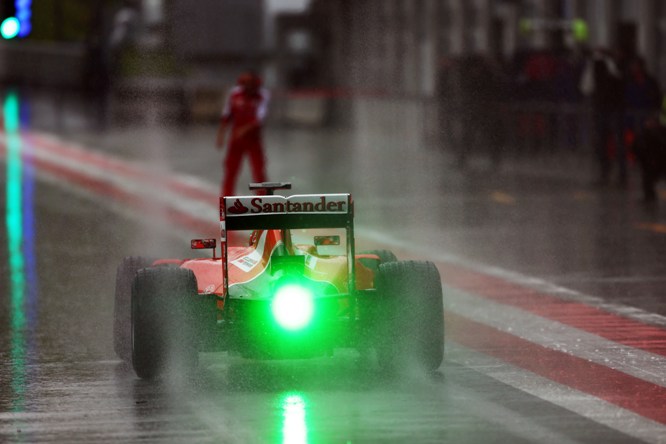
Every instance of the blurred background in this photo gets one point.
(467, 132)
(423, 63)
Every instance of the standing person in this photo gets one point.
(650, 149)
(244, 111)
(642, 96)
(643, 99)
(602, 81)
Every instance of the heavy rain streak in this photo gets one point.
(332, 221)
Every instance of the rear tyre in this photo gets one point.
(122, 309)
(164, 314)
(411, 329)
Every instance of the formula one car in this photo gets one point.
(288, 284)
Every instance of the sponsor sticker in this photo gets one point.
(247, 263)
(298, 204)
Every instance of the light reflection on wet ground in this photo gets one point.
(328, 400)
(22, 275)
(61, 382)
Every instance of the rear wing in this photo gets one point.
(274, 212)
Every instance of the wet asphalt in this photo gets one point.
(537, 216)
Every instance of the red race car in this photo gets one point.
(287, 284)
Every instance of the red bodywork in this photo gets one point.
(209, 272)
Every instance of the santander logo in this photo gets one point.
(238, 208)
(301, 204)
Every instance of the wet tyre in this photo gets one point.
(122, 310)
(164, 321)
(411, 329)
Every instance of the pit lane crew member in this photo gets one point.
(244, 111)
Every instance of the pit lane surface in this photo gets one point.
(554, 331)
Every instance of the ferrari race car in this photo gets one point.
(287, 284)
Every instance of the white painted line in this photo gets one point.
(556, 336)
(517, 278)
(595, 409)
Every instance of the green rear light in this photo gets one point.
(293, 306)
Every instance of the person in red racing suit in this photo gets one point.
(245, 111)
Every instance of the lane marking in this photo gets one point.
(100, 187)
(513, 422)
(81, 176)
(587, 318)
(508, 294)
(615, 387)
(186, 186)
(557, 336)
(158, 184)
(562, 395)
(411, 250)
(196, 212)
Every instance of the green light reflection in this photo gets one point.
(294, 419)
(14, 224)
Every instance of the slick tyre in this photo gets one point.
(163, 321)
(411, 330)
(122, 308)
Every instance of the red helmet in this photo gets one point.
(249, 80)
